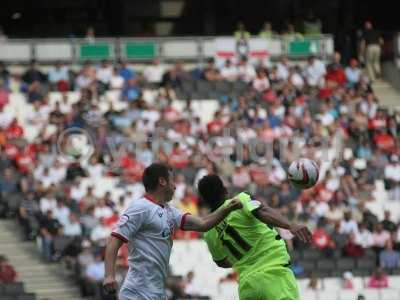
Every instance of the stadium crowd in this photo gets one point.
(327, 112)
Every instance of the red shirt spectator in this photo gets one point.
(133, 169)
(321, 239)
(7, 272)
(378, 280)
(384, 141)
(14, 130)
(11, 151)
(215, 126)
(178, 158)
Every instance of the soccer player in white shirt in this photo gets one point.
(148, 226)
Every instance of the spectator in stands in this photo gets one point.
(117, 81)
(348, 224)
(261, 82)
(351, 248)
(101, 210)
(321, 239)
(392, 176)
(246, 71)
(283, 68)
(7, 272)
(371, 42)
(387, 223)
(190, 288)
(364, 237)
(312, 24)
(266, 31)
(131, 92)
(94, 275)
(72, 228)
(389, 258)
(100, 233)
(241, 32)
(4, 75)
(49, 228)
(290, 33)
(27, 212)
(90, 35)
(229, 71)
(104, 74)
(211, 72)
(59, 77)
(347, 281)
(353, 73)
(378, 279)
(380, 237)
(340, 239)
(335, 72)
(314, 284)
(153, 73)
(315, 72)
(33, 74)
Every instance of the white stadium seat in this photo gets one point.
(389, 294)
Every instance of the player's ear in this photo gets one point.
(162, 181)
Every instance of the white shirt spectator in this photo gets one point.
(61, 213)
(364, 238)
(282, 71)
(145, 156)
(297, 80)
(381, 238)
(245, 134)
(72, 229)
(246, 72)
(57, 173)
(77, 192)
(261, 84)
(153, 115)
(102, 212)
(95, 171)
(104, 74)
(5, 119)
(326, 119)
(321, 208)
(47, 204)
(353, 75)
(315, 73)
(82, 81)
(116, 82)
(96, 271)
(153, 73)
(348, 227)
(100, 232)
(229, 73)
(57, 74)
(392, 172)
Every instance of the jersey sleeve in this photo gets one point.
(178, 217)
(249, 205)
(129, 223)
(214, 245)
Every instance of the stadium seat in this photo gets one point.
(331, 284)
(7, 297)
(361, 273)
(309, 295)
(325, 264)
(366, 263)
(358, 283)
(369, 253)
(389, 294)
(348, 294)
(345, 264)
(311, 254)
(14, 288)
(308, 265)
(327, 295)
(295, 255)
(27, 296)
(321, 273)
(373, 294)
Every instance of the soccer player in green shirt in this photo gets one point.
(247, 241)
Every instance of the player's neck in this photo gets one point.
(156, 198)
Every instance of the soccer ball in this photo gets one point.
(303, 173)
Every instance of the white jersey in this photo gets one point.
(148, 228)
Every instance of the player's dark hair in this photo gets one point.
(153, 173)
(212, 190)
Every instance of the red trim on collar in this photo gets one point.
(120, 237)
(151, 199)
(183, 221)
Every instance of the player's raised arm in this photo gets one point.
(204, 224)
(110, 284)
(268, 215)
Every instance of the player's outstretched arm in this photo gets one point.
(270, 216)
(110, 284)
(203, 224)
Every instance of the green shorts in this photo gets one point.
(272, 284)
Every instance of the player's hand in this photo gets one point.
(302, 232)
(234, 205)
(110, 285)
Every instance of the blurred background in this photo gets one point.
(92, 92)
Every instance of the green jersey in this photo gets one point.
(247, 243)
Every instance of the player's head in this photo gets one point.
(158, 178)
(212, 190)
